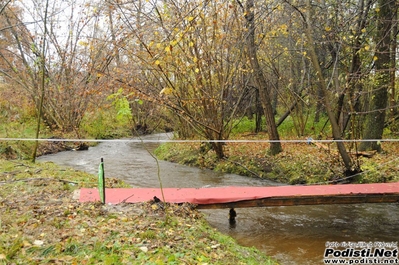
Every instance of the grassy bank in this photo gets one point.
(41, 223)
(299, 163)
(99, 128)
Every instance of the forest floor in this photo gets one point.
(299, 163)
(41, 223)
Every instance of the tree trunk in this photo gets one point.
(42, 83)
(354, 86)
(326, 95)
(375, 120)
(264, 93)
(394, 45)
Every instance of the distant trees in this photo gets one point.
(63, 47)
(201, 64)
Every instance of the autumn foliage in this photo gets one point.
(189, 66)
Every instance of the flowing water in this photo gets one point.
(291, 235)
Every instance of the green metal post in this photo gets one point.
(101, 181)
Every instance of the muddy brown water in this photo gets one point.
(291, 235)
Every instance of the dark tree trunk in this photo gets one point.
(258, 113)
(354, 85)
(264, 91)
(394, 44)
(375, 120)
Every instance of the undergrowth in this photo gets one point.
(299, 163)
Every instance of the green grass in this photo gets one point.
(99, 126)
(104, 125)
(244, 125)
(290, 128)
(24, 128)
(42, 224)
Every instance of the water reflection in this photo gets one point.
(297, 234)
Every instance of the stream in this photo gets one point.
(291, 235)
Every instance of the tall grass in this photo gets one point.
(288, 129)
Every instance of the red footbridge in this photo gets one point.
(240, 197)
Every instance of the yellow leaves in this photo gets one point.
(349, 37)
(166, 91)
(83, 43)
(283, 27)
(190, 29)
(273, 33)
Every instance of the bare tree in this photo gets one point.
(3, 7)
(74, 60)
(43, 77)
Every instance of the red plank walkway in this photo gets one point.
(234, 197)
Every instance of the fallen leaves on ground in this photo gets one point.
(298, 163)
(41, 223)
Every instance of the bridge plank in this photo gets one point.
(305, 200)
(235, 197)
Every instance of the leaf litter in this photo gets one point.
(42, 223)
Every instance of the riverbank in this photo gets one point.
(42, 223)
(299, 163)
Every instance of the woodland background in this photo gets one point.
(201, 68)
